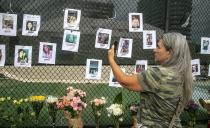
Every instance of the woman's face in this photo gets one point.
(29, 25)
(160, 53)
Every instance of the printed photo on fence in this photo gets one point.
(71, 41)
(135, 22)
(72, 19)
(141, 65)
(195, 67)
(2, 55)
(209, 70)
(8, 24)
(23, 56)
(149, 39)
(112, 81)
(93, 69)
(47, 53)
(31, 25)
(103, 38)
(205, 48)
(125, 48)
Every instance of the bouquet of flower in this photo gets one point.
(52, 107)
(37, 103)
(116, 112)
(73, 102)
(191, 108)
(97, 105)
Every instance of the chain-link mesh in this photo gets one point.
(159, 15)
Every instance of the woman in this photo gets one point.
(165, 89)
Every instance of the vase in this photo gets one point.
(134, 121)
(74, 122)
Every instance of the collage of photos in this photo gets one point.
(8, 24)
(23, 56)
(93, 69)
(2, 55)
(71, 41)
(47, 53)
(103, 38)
(31, 25)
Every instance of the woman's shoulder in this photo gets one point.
(163, 70)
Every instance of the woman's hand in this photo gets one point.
(111, 53)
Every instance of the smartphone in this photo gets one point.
(115, 46)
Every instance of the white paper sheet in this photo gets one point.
(112, 81)
(103, 38)
(195, 67)
(31, 25)
(2, 55)
(8, 24)
(47, 53)
(125, 48)
(205, 45)
(135, 22)
(93, 69)
(71, 41)
(141, 65)
(149, 39)
(23, 56)
(72, 19)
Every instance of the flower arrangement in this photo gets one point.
(52, 107)
(37, 103)
(97, 105)
(73, 104)
(191, 109)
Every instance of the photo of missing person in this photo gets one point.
(22, 56)
(194, 68)
(135, 21)
(205, 45)
(140, 68)
(149, 39)
(125, 47)
(93, 68)
(47, 52)
(31, 26)
(72, 18)
(71, 38)
(7, 23)
(103, 38)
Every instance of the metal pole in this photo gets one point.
(167, 2)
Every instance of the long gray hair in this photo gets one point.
(181, 59)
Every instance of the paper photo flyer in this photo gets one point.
(2, 54)
(8, 24)
(31, 25)
(93, 69)
(23, 56)
(71, 41)
(103, 38)
(135, 22)
(149, 39)
(72, 19)
(125, 48)
(195, 67)
(47, 53)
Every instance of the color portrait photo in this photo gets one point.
(125, 48)
(205, 48)
(93, 69)
(8, 24)
(31, 25)
(135, 22)
(23, 56)
(71, 41)
(2, 55)
(72, 19)
(149, 39)
(103, 38)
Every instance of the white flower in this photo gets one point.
(115, 109)
(51, 99)
(121, 119)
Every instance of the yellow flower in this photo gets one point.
(37, 98)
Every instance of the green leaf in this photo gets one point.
(118, 98)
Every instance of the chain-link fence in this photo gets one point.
(189, 17)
